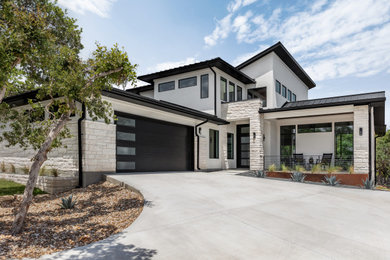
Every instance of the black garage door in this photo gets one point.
(144, 144)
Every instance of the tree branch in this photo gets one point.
(3, 88)
(102, 74)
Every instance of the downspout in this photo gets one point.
(369, 143)
(80, 144)
(215, 90)
(197, 142)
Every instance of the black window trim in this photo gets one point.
(238, 87)
(181, 80)
(216, 144)
(234, 91)
(159, 86)
(314, 126)
(232, 146)
(226, 88)
(201, 85)
(284, 89)
(289, 95)
(280, 87)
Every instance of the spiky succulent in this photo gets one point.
(367, 184)
(298, 176)
(68, 202)
(331, 180)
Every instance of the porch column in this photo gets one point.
(223, 140)
(256, 155)
(360, 139)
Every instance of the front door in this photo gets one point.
(243, 148)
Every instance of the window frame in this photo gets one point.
(189, 78)
(289, 95)
(213, 146)
(284, 91)
(314, 128)
(239, 96)
(294, 97)
(168, 82)
(202, 86)
(230, 152)
(224, 96)
(278, 85)
(231, 84)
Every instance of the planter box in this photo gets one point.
(48, 184)
(354, 179)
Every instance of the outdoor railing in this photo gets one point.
(307, 162)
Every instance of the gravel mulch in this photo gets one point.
(102, 209)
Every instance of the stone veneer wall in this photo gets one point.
(249, 109)
(99, 150)
(361, 143)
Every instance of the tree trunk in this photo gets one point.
(2, 94)
(38, 160)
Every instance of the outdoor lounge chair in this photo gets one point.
(298, 159)
(326, 159)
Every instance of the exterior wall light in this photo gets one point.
(360, 131)
(254, 135)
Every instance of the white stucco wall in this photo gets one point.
(148, 93)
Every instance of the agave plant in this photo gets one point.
(260, 174)
(68, 203)
(298, 176)
(367, 184)
(331, 180)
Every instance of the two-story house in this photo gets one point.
(211, 115)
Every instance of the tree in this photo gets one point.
(383, 158)
(62, 81)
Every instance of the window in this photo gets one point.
(278, 87)
(343, 144)
(294, 97)
(166, 86)
(204, 86)
(289, 96)
(287, 143)
(188, 82)
(284, 91)
(239, 93)
(250, 96)
(232, 91)
(214, 144)
(315, 128)
(223, 89)
(230, 146)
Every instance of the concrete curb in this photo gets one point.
(122, 184)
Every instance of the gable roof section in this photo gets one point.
(287, 58)
(163, 105)
(216, 62)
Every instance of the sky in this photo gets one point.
(343, 45)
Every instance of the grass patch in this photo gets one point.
(11, 188)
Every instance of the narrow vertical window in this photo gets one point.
(223, 89)
(278, 87)
(284, 91)
(213, 144)
(289, 96)
(204, 86)
(230, 146)
(239, 93)
(294, 97)
(232, 91)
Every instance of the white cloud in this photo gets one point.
(221, 31)
(330, 39)
(237, 4)
(99, 7)
(171, 64)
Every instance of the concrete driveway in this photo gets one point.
(225, 216)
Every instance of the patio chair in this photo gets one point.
(298, 159)
(326, 159)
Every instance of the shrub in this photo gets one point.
(316, 168)
(260, 174)
(284, 168)
(43, 171)
(67, 203)
(54, 172)
(367, 184)
(299, 168)
(333, 169)
(2, 167)
(351, 169)
(298, 176)
(331, 180)
(12, 168)
(272, 168)
(25, 169)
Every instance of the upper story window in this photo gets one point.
(278, 87)
(239, 93)
(230, 146)
(223, 89)
(232, 91)
(213, 144)
(315, 128)
(204, 86)
(188, 82)
(289, 95)
(166, 86)
(284, 91)
(294, 97)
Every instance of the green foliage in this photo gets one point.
(12, 188)
(43, 171)
(284, 168)
(260, 174)
(272, 168)
(316, 168)
(299, 168)
(68, 203)
(54, 172)
(331, 180)
(25, 169)
(333, 169)
(2, 167)
(383, 158)
(12, 168)
(367, 184)
(351, 169)
(298, 176)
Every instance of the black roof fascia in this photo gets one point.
(21, 99)
(162, 105)
(216, 62)
(287, 58)
(138, 90)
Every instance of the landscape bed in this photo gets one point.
(101, 210)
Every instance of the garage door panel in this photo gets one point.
(154, 146)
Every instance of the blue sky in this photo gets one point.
(343, 45)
